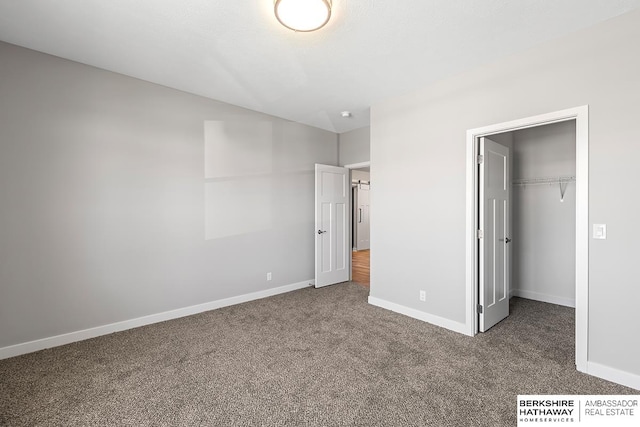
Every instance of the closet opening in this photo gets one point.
(540, 224)
(527, 229)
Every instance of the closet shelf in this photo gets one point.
(563, 181)
(551, 181)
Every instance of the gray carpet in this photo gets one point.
(312, 357)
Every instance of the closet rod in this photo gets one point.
(536, 181)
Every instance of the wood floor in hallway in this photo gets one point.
(360, 267)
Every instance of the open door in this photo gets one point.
(493, 248)
(333, 257)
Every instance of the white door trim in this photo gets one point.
(581, 116)
(357, 165)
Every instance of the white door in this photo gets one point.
(362, 217)
(493, 240)
(333, 257)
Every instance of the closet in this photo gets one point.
(543, 212)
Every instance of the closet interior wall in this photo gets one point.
(543, 226)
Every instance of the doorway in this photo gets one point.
(338, 214)
(579, 116)
(360, 223)
(527, 214)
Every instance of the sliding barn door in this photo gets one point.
(362, 224)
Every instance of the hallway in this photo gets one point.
(360, 267)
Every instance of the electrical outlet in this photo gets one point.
(269, 276)
(423, 295)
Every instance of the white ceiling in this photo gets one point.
(235, 51)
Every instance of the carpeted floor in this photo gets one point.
(312, 357)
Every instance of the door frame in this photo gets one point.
(581, 117)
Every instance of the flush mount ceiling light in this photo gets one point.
(303, 15)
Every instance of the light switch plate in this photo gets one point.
(600, 231)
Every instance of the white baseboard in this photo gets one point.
(567, 302)
(614, 375)
(420, 315)
(58, 340)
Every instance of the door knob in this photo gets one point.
(507, 240)
(322, 231)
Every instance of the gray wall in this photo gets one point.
(120, 198)
(354, 146)
(544, 228)
(418, 146)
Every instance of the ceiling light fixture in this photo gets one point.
(346, 114)
(303, 15)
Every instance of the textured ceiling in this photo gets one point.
(235, 51)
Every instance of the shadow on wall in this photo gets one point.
(238, 174)
(258, 174)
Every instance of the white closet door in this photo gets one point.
(493, 246)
